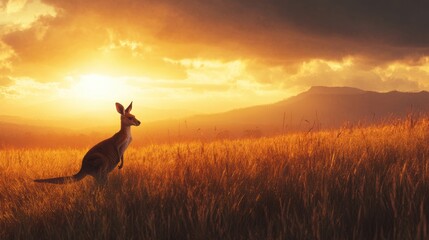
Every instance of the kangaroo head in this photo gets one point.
(126, 117)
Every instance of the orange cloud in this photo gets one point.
(191, 52)
(84, 36)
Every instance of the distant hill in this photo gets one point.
(318, 108)
(23, 135)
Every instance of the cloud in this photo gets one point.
(5, 81)
(346, 72)
(5, 65)
(23, 88)
(280, 44)
(281, 30)
(18, 14)
(14, 6)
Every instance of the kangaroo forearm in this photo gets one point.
(121, 164)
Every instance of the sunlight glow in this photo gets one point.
(97, 87)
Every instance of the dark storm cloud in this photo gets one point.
(278, 32)
(382, 29)
(398, 23)
(291, 29)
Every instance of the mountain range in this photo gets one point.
(316, 109)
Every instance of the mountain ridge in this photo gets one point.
(317, 108)
(327, 107)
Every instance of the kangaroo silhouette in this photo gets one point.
(105, 156)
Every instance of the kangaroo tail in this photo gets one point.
(62, 180)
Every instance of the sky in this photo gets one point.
(61, 58)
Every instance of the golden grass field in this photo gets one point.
(353, 183)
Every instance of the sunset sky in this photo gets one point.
(62, 58)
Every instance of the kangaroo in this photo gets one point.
(105, 156)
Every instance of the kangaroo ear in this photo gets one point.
(120, 108)
(129, 108)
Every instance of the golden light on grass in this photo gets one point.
(352, 183)
(63, 65)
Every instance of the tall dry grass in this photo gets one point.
(353, 183)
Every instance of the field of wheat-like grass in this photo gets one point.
(353, 183)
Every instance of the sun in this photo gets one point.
(97, 87)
